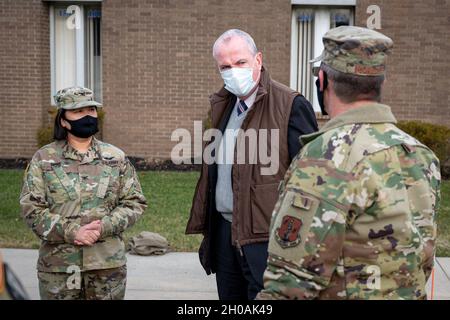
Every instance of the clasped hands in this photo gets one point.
(88, 234)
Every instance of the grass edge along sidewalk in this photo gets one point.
(169, 194)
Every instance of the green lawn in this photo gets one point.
(169, 195)
(443, 240)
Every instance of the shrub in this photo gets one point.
(45, 135)
(436, 137)
(207, 123)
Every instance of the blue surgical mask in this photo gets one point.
(239, 81)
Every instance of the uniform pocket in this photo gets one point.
(108, 187)
(263, 198)
(56, 193)
(117, 284)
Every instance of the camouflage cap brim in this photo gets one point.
(352, 64)
(315, 69)
(319, 58)
(81, 104)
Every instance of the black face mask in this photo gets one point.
(84, 127)
(320, 93)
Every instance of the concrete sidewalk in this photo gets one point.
(177, 275)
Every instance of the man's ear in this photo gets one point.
(259, 59)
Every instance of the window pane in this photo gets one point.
(311, 23)
(93, 57)
(340, 17)
(305, 50)
(65, 55)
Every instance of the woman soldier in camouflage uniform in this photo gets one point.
(79, 195)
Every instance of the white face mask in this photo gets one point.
(239, 81)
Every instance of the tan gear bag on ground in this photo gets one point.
(148, 243)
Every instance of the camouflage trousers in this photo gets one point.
(107, 284)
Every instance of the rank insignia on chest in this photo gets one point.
(288, 234)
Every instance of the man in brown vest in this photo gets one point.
(236, 194)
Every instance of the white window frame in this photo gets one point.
(321, 9)
(79, 47)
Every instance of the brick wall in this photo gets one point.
(158, 70)
(418, 76)
(158, 67)
(24, 75)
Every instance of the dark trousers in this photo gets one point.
(239, 276)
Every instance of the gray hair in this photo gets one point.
(227, 35)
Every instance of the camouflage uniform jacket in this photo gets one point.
(64, 189)
(356, 214)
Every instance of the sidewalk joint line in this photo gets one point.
(443, 270)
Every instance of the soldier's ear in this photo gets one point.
(323, 80)
(64, 123)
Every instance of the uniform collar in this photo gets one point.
(92, 153)
(369, 113)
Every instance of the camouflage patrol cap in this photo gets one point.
(355, 50)
(75, 98)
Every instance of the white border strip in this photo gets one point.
(52, 53)
(324, 2)
(79, 42)
(294, 49)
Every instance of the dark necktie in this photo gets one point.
(242, 107)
